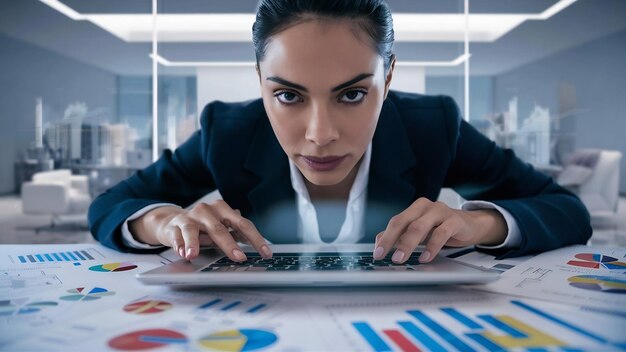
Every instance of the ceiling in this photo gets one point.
(35, 23)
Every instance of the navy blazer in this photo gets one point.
(420, 145)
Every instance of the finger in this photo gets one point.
(190, 232)
(243, 227)
(440, 236)
(175, 238)
(205, 216)
(398, 224)
(378, 251)
(222, 238)
(415, 233)
(239, 237)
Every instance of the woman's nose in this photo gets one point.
(321, 128)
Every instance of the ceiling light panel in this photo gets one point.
(237, 27)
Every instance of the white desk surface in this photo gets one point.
(85, 297)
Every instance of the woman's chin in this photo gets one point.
(323, 178)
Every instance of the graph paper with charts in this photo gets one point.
(467, 321)
(85, 297)
(579, 275)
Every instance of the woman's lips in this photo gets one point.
(326, 163)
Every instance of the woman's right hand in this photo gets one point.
(205, 224)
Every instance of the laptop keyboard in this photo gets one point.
(314, 262)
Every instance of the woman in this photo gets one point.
(328, 137)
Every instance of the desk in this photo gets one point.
(85, 297)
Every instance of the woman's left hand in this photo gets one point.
(435, 225)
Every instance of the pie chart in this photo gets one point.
(81, 294)
(597, 261)
(147, 307)
(598, 283)
(147, 339)
(113, 267)
(241, 340)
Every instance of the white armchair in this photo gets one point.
(597, 186)
(601, 192)
(57, 193)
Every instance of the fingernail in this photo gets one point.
(378, 252)
(398, 256)
(189, 250)
(265, 250)
(238, 254)
(424, 256)
(181, 251)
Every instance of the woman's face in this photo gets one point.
(323, 85)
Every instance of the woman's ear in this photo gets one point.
(389, 75)
(258, 71)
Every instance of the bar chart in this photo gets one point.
(524, 327)
(76, 257)
(232, 305)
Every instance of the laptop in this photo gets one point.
(305, 265)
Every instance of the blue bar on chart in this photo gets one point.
(462, 318)
(257, 308)
(375, 341)
(421, 336)
(485, 342)
(503, 326)
(441, 331)
(70, 256)
(231, 305)
(210, 303)
(560, 322)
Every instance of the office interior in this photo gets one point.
(81, 108)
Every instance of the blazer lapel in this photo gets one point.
(274, 210)
(389, 190)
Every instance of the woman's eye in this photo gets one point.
(353, 96)
(287, 97)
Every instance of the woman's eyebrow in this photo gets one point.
(360, 77)
(285, 82)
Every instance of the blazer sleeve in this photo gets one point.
(180, 177)
(548, 215)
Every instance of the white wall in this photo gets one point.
(241, 83)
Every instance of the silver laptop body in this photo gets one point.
(313, 265)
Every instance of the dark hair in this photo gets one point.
(373, 17)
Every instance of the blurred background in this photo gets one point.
(81, 107)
